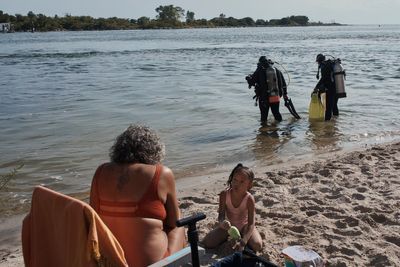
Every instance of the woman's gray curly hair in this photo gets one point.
(138, 144)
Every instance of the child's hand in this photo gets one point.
(225, 225)
(239, 245)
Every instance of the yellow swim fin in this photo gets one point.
(316, 110)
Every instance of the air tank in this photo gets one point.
(339, 75)
(272, 84)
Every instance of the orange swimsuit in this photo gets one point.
(121, 216)
(149, 206)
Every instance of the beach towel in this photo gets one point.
(62, 231)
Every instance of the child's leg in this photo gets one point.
(215, 238)
(255, 241)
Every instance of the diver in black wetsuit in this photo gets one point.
(327, 85)
(269, 85)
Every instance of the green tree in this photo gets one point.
(222, 21)
(284, 21)
(189, 17)
(3, 17)
(42, 24)
(143, 21)
(32, 20)
(169, 13)
(68, 22)
(260, 22)
(31, 15)
(247, 21)
(168, 17)
(274, 22)
(231, 22)
(299, 20)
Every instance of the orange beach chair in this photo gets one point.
(63, 231)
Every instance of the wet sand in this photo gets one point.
(346, 207)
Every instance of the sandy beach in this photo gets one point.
(346, 207)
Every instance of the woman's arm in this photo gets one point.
(176, 239)
(94, 194)
(167, 192)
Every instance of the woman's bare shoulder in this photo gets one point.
(101, 168)
(167, 171)
(167, 178)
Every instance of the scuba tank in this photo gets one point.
(272, 84)
(339, 75)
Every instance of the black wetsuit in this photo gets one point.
(326, 84)
(259, 80)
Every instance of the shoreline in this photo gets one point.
(344, 205)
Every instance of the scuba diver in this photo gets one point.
(269, 87)
(331, 83)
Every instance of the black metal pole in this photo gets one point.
(193, 239)
(193, 236)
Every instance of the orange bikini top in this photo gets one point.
(149, 206)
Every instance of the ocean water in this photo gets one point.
(65, 96)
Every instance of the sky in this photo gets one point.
(341, 11)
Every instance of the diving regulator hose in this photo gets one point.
(287, 73)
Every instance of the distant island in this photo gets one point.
(169, 17)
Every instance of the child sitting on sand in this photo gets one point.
(238, 205)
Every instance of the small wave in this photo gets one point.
(378, 77)
(94, 53)
(52, 55)
(57, 177)
(213, 138)
(77, 68)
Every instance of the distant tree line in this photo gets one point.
(168, 17)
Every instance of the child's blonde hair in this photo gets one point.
(244, 169)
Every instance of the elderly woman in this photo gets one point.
(136, 198)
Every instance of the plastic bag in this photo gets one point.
(298, 256)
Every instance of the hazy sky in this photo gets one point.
(342, 11)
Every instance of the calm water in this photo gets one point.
(64, 96)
